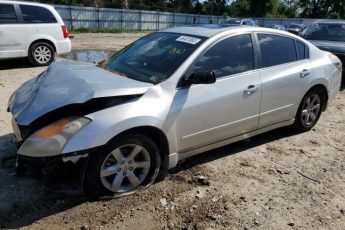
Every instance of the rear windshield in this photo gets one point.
(37, 14)
(326, 31)
(7, 14)
(153, 58)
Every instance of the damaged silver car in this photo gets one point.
(166, 97)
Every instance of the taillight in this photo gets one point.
(64, 31)
(336, 62)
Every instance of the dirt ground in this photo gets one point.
(278, 180)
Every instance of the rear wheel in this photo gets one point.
(126, 165)
(41, 54)
(309, 110)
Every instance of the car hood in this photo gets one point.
(66, 83)
(330, 46)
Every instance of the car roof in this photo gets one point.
(28, 3)
(210, 30)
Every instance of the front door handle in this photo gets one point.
(305, 72)
(251, 89)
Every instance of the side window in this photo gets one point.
(230, 56)
(37, 14)
(302, 51)
(276, 50)
(7, 14)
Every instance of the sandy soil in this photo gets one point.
(278, 180)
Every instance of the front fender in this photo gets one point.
(98, 133)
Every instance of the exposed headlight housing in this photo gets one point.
(50, 140)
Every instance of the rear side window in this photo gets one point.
(37, 14)
(230, 56)
(302, 51)
(7, 14)
(276, 50)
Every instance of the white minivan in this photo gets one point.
(32, 30)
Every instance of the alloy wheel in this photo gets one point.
(125, 168)
(42, 54)
(311, 109)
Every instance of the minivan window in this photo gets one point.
(302, 51)
(37, 14)
(276, 50)
(7, 14)
(230, 56)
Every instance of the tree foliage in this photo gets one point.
(232, 8)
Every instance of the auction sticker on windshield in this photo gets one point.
(187, 39)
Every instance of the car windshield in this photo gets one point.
(153, 58)
(326, 32)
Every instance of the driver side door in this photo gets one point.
(227, 108)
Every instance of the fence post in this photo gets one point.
(158, 20)
(121, 19)
(98, 18)
(140, 20)
(173, 22)
(70, 17)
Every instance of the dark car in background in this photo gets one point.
(278, 27)
(328, 35)
(237, 21)
(296, 28)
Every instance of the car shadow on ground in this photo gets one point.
(24, 200)
(15, 63)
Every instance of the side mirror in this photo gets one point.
(200, 77)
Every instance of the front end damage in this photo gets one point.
(49, 110)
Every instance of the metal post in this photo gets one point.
(140, 20)
(212, 12)
(173, 22)
(121, 19)
(70, 17)
(98, 18)
(158, 21)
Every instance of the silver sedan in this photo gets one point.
(166, 97)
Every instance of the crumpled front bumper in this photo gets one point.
(41, 166)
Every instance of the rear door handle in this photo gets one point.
(305, 72)
(251, 89)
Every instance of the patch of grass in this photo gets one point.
(114, 30)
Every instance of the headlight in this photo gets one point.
(50, 140)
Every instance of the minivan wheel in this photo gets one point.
(124, 166)
(41, 54)
(309, 111)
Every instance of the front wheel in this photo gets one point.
(309, 110)
(125, 165)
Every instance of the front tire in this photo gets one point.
(41, 54)
(124, 166)
(309, 110)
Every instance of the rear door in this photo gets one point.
(11, 36)
(286, 73)
(39, 23)
(227, 108)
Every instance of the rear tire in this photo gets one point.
(41, 54)
(124, 166)
(309, 110)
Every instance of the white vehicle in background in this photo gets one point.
(32, 30)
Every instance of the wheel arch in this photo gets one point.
(157, 136)
(43, 40)
(324, 90)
